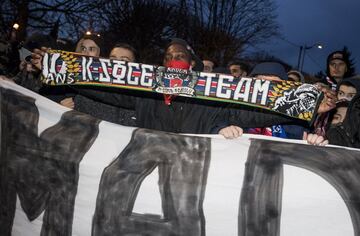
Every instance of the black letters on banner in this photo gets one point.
(43, 171)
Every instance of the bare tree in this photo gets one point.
(216, 29)
(73, 16)
(142, 23)
(222, 29)
(219, 29)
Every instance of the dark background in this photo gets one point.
(253, 30)
(332, 23)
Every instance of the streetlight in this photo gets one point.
(16, 26)
(302, 51)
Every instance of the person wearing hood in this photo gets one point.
(344, 127)
(338, 66)
(348, 88)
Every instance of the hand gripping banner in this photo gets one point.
(286, 97)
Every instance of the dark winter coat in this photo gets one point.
(347, 133)
(104, 111)
(185, 115)
(83, 104)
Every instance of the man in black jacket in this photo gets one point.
(168, 112)
(338, 66)
(182, 114)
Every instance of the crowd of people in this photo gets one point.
(337, 121)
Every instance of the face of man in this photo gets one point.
(268, 77)
(176, 52)
(236, 71)
(122, 54)
(337, 69)
(88, 47)
(339, 115)
(208, 65)
(346, 92)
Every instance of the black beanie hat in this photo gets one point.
(199, 65)
(270, 68)
(339, 55)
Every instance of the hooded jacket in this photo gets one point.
(348, 132)
(355, 82)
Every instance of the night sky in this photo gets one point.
(333, 23)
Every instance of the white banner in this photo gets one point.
(67, 173)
